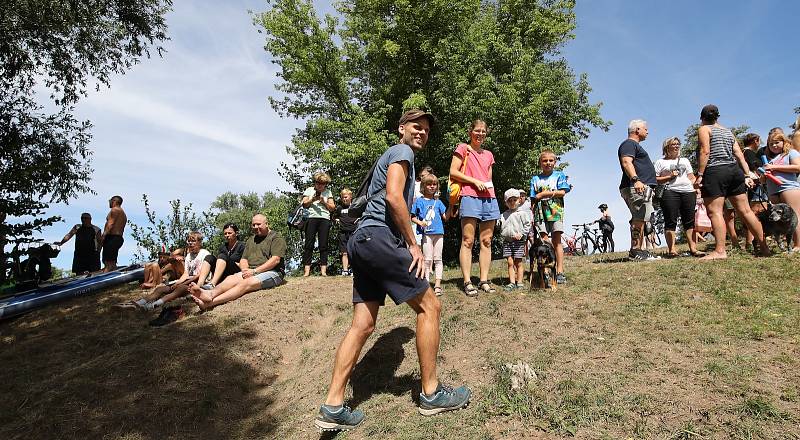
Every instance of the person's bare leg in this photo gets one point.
(240, 289)
(345, 261)
(715, 208)
(428, 308)
(205, 269)
(690, 240)
(149, 275)
(323, 270)
(157, 293)
(750, 221)
(559, 251)
(485, 256)
(520, 271)
(730, 227)
(306, 271)
(109, 266)
(512, 274)
(468, 226)
(792, 198)
(670, 237)
(207, 296)
(180, 291)
(637, 234)
(219, 270)
(362, 326)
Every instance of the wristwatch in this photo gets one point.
(635, 179)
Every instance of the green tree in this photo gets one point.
(351, 77)
(170, 231)
(61, 47)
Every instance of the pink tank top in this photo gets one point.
(478, 165)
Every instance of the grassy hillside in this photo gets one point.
(665, 349)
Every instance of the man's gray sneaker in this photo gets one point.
(342, 419)
(445, 398)
(561, 278)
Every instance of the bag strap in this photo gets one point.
(466, 156)
(364, 186)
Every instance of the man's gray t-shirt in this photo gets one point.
(375, 213)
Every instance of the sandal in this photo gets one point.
(486, 287)
(437, 291)
(469, 289)
(698, 254)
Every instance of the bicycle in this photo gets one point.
(584, 244)
(655, 229)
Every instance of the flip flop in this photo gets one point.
(698, 254)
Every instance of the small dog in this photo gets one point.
(778, 220)
(543, 264)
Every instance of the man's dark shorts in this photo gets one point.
(723, 181)
(380, 264)
(111, 245)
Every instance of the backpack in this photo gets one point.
(297, 218)
(360, 200)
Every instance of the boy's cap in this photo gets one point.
(414, 114)
(511, 193)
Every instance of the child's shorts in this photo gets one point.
(343, 237)
(481, 208)
(514, 249)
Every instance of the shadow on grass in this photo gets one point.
(376, 371)
(83, 369)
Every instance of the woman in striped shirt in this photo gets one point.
(723, 173)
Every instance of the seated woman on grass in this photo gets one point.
(197, 265)
(229, 254)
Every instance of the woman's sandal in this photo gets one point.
(469, 289)
(437, 291)
(486, 287)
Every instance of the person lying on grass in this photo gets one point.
(197, 265)
(262, 268)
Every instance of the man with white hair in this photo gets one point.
(637, 185)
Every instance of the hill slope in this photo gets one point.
(665, 349)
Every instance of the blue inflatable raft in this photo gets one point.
(44, 295)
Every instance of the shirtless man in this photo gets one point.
(112, 233)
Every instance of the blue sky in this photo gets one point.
(196, 123)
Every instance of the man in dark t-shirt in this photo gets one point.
(387, 260)
(261, 263)
(637, 185)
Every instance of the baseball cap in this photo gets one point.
(414, 114)
(511, 193)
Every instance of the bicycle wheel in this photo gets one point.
(603, 244)
(588, 245)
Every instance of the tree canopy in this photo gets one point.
(350, 77)
(59, 48)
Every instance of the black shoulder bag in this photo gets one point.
(360, 201)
